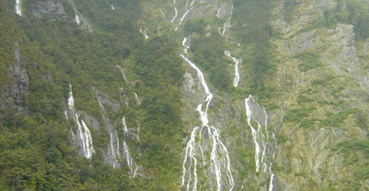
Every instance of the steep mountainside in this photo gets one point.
(184, 95)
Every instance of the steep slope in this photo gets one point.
(184, 95)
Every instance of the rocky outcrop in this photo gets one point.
(16, 91)
(306, 155)
(54, 10)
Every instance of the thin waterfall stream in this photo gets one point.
(236, 79)
(202, 151)
(265, 142)
(18, 7)
(83, 131)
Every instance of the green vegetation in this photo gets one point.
(338, 118)
(350, 149)
(159, 68)
(251, 23)
(309, 59)
(288, 10)
(194, 26)
(35, 149)
(208, 54)
(325, 81)
(296, 115)
(356, 15)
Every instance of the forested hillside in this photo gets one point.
(184, 95)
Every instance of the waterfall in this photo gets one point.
(77, 19)
(220, 8)
(138, 101)
(130, 163)
(236, 72)
(184, 45)
(175, 11)
(123, 74)
(187, 10)
(114, 147)
(80, 20)
(18, 7)
(143, 32)
(82, 130)
(264, 145)
(227, 22)
(219, 161)
(112, 7)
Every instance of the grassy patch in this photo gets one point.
(323, 81)
(296, 115)
(338, 118)
(310, 60)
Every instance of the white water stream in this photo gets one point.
(175, 11)
(236, 72)
(138, 101)
(130, 163)
(18, 7)
(220, 8)
(114, 147)
(112, 7)
(143, 32)
(265, 146)
(77, 19)
(216, 154)
(227, 23)
(123, 74)
(187, 10)
(82, 130)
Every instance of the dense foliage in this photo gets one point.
(251, 23)
(208, 54)
(36, 148)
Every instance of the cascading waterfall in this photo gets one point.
(77, 19)
(82, 130)
(264, 145)
(220, 8)
(138, 101)
(18, 7)
(219, 162)
(227, 23)
(187, 10)
(114, 147)
(143, 32)
(184, 45)
(112, 7)
(123, 74)
(175, 11)
(236, 72)
(130, 163)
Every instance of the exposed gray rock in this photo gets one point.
(91, 121)
(55, 10)
(79, 19)
(16, 92)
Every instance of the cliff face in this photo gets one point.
(327, 92)
(194, 94)
(320, 87)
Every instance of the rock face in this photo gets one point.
(307, 155)
(321, 89)
(16, 92)
(305, 158)
(55, 10)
